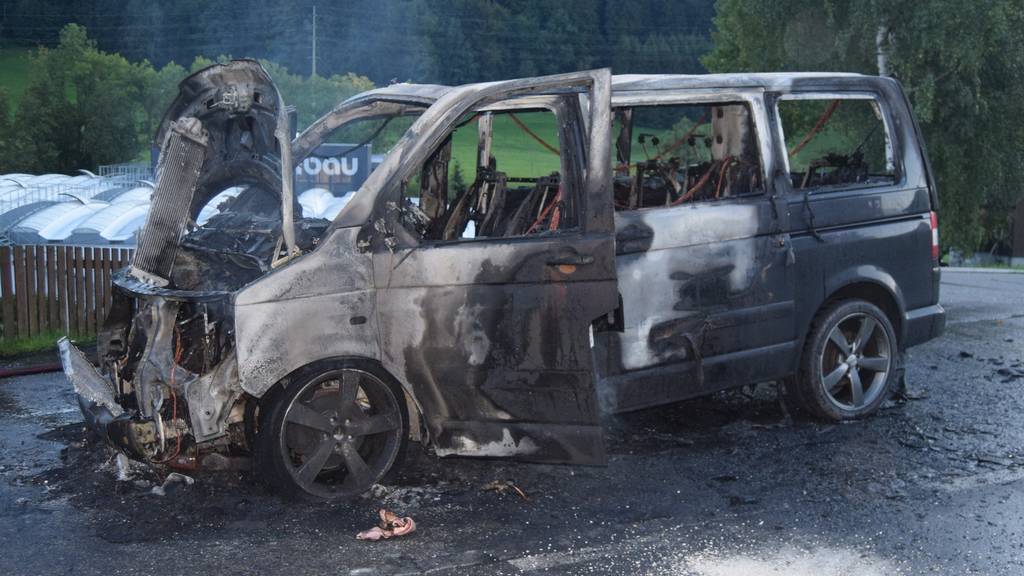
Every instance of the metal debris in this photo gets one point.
(503, 487)
(170, 483)
(390, 525)
(123, 474)
(215, 461)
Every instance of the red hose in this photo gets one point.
(29, 370)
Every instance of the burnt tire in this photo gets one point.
(849, 363)
(332, 432)
(788, 390)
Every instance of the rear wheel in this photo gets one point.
(332, 432)
(848, 367)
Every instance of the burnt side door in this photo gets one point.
(492, 335)
(706, 285)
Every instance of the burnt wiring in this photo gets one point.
(724, 164)
(671, 147)
(178, 349)
(710, 180)
(860, 147)
(554, 210)
(522, 126)
(817, 128)
(727, 163)
(810, 219)
(642, 140)
(684, 138)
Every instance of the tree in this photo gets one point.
(7, 145)
(314, 96)
(159, 89)
(42, 124)
(82, 107)
(417, 40)
(964, 77)
(458, 181)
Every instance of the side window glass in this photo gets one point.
(677, 154)
(836, 143)
(497, 175)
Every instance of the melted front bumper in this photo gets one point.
(103, 415)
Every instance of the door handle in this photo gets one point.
(571, 260)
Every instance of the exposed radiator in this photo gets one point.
(181, 159)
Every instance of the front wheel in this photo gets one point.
(332, 432)
(848, 367)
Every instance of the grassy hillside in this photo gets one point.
(15, 65)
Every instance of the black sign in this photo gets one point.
(335, 167)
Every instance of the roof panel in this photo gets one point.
(58, 221)
(127, 224)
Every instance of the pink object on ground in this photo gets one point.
(390, 525)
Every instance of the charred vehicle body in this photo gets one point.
(678, 235)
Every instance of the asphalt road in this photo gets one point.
(719, 486)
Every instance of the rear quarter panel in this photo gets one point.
(877, 234)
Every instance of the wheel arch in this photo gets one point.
(866, 283)
(415, 410)
(873, 284)
(875, 293)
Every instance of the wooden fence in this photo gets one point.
(46, 289)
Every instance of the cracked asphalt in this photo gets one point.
(725, 485)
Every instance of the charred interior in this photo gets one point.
(678, 154)
(497, 195)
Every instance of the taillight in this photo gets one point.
(935, 235)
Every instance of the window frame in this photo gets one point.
(753, 99)
(572, 158)
(892, 156)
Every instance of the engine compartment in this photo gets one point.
(167, 345)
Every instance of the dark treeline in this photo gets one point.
(445, 41)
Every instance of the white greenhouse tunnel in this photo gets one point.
(92, 210)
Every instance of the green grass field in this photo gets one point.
(15, 66)
(519, 155)
(34, 344)
(516, 152)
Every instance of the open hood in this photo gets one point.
(222, 133)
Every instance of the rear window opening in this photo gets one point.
(834, 143)
(680, 154)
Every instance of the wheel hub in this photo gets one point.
(855, 361)
(341, 435)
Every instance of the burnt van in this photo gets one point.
(527, 256)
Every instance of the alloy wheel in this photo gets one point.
(855, 361)
(341, 433)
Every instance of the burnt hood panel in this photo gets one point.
(237, 104)
(240, 88)
(222, 131)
